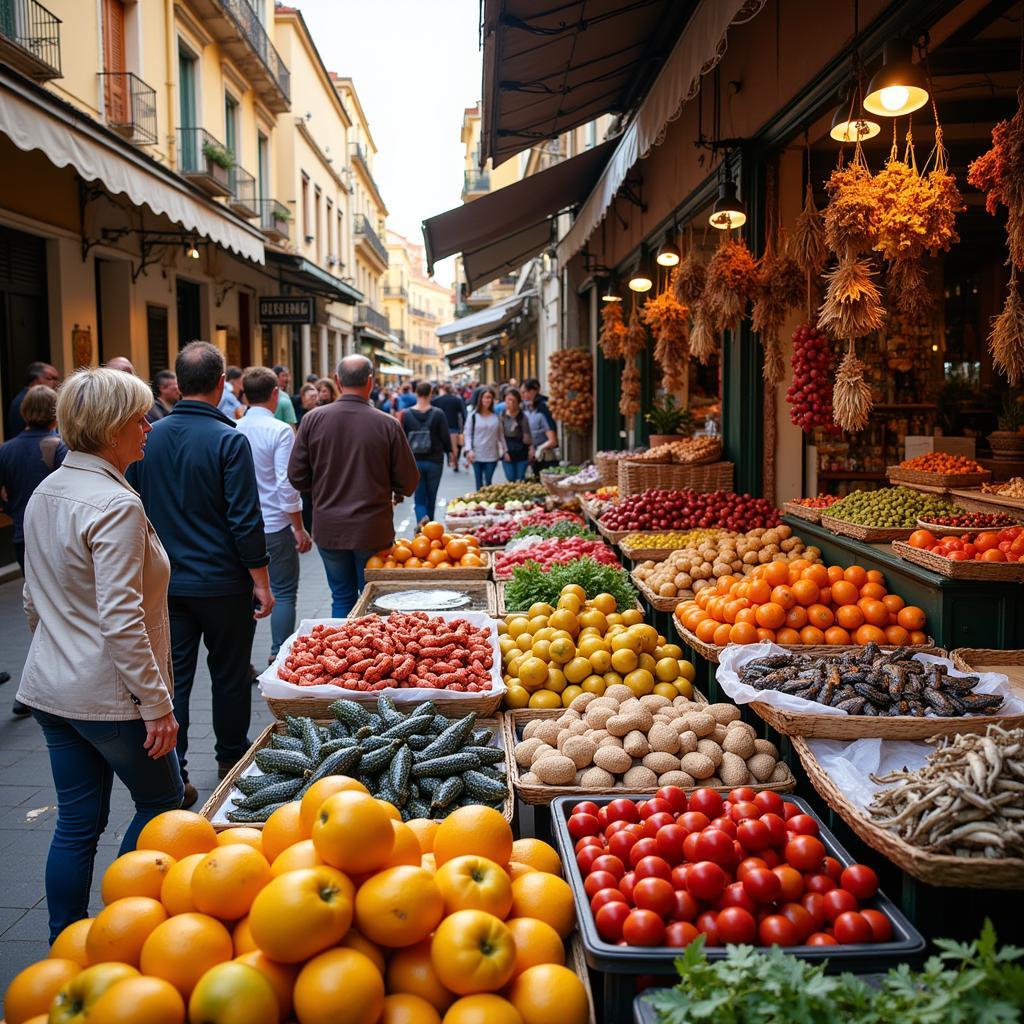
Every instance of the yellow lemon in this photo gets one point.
(623, 661)
(604, 603)
(574, 588)
(611, 678)
(687, 670)
(640, 681)
(627, 640)
(533, 672)
(671, 651)
(524, 641)
(565, 618)
(570, 693)
(594, 684)
(647, 661)
(517, 697)
(666, 690)
(569, 603)
(633, 616)
(506, 644)
(545, 699)
(589, 644)
(537, 622)
(540, 649)
(615, 619)
(595, 618)
(547, 633)
(517, 626)
(556, 681)
(648, 636)
(685, 688)
(561, 651)
(601, 661)
(539, 608)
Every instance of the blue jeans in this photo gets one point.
(425, 498)
(84, 758)
(483, 473)
(515, 469)
(344, 570)
(284, 585)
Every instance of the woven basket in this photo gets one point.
(993, 572)
(931, 868)
(220, 794)
(645, 554)
(504, 610)
(482, 592)
(612, 536)
(792, 508)
(411, 577)
(871, 534)
(636, 477)
(658, 603)
(576, 961)
(983, 659)
(608, 467)
(898, 475)
(979, 501)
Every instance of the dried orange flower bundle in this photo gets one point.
(851, 395)
(629, 397)
(612, 338)
(1006, 342)
(902, 197)
(668, 320)
(780, 288)
(909, 288)
(808, 243)
(688, 278)
(703, 336)
(852, 306)
(635, 339)
(851, 217)
(988, 173)
(946, 203)
(731, 283)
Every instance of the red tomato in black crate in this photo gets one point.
(769, 802)
(790, 810)
(705, 880)
(707, 925)
(776, 930)
(753, 835)
(658, 821)
(860, 880)
(742, 794)
(762, 885)
(693, 820)
(643, 928)
(598, 880)
(819, 882)
(708, 802)
(626, 883)
(881, 926)
(790, 881)
(674, 797)
(646, 847)
(852, 928)
(653, 867)
(748, 864)
(799, 919)
(805, 853)
(654, 806)
(726, 825)
(584, 807)
(836, 902)
(736, 896)
(744, 809)
(687, 908)
(622, 810)
(814, 904)
(678, 879)
(802, 824)
(587, 856)
(776, 826)
(690, 847)
(609, 920)
(822, 939)
(715, 845)
(670, 839)
(680, 933)
(655, 894)
(599, 899)
(608, 862)
(621, 843)
(588, 841)
(735, 925)
(581, 825)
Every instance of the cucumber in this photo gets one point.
(280, 741)
(377, 760)
(294, 726)
(447, 793)
(452, 739)
(388, 712)
(482, 737)
(292, 762)
(414, 791)
(311, 741)
(259, 814)
(405, 728)
(270, 794)
(250, 783)
(354, 715)
(419, 742)
(399, 773)
(427, 708)
(450, 764)
(387, 793)
(341, 762)
(487, 755)
(336, 730)
(427, 784)
(415, 809)
(332, 746)
(483, 787)
(439, 723)
(369, 743)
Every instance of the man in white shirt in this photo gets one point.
(271, 441)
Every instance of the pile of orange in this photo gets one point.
(336, 911)
(801, 603)
(431, 548)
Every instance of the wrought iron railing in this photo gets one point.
(198, 150)
(130, 105)
(274, 216)
(424, 350)
(398, 333)
(364, 228)
(476, 181)
(249, 24)
(243, 187)
(363, 156)
(30, 26)
(368, 315)
(396, 291)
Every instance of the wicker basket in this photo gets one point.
(658, 603)
(504, 610)
(994, 572)
(792, 508)
(645, 554)
(898, 475)
(227, 784)
(870, 534)
(608, 467)
(576, 961)
(979, 501)
(482, 592)
(426, 576)
(983, 659)
(931, 868)
(635, 477)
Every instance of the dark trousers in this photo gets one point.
(226, 626)
(425, 498)
(483, 473)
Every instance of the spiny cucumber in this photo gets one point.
(354, 715)
(293, 762)
(483, 787)
(377, 760)
(280, 741)
(260, 814)
(250, 783)
(447, 792)
(341, 762)
(450, 764)
(405, 728)
(487, 755)
(270, 794)
(401, 768)
(453, 737)
(311, 739)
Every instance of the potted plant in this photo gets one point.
(1007, 443)
(219, 161)
(668, 422)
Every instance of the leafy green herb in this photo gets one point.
(565, 528)
(531, 584)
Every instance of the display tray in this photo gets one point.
(981, 659)
(932, 868)
(794, 508)
(425, 576)
(979, 501)
(480, 592)
(871, 534)
(897, 475)
(219, 803)
(1001, 572)
(504, 610)
(906, 943)
(708, 475)
(659, 604)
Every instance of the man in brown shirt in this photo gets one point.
(357, 462)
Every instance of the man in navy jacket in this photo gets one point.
(198, 485)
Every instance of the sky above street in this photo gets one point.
(416, 66)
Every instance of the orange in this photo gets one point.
(545, 897)
(473, 951)
(121, 928)
(896, 635)
(844, 592)
(184, 948)
(176, 891)
(353, 832)
(411, 970)
(759, 592)
(765, 634)
(456, 549)
(226, 881)
(241, 938)
(300, 913)
(835, 573)
(537, 854)
(705, 630)
(743, 633)
(375, 562)
(482, 1008)
(876, 576)
(776, 573)
(550, 994)
(399, 906)
(424, 829)
(407, 847)
(796, 617)
(401, 553)
(917, 637)
(318, 793)
(408, 1009)
(70, 944)
(73, 1003)
(868, 634)
(249, 836)
(850, 616)
(784, 596)
(721, 635)
(875, 590)
(820, 616)
(893, 602)
(233, 993)
(811, 636)
(302, 855)
(339, 985)
(536, 943)
(420, 546)
(354, 940)
(515, 868)
(816, 572)
(32, 990)
(805, 592)
(178, 833)
(770, 616)
(857, 575)
(474, 829)
(138, 873)
(837, 635)
(130, 1000)
(875, 613)
(281, 977)
(911, 617)
(473, 883)
(787, 636)
(433, 530)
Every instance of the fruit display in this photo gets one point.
(585, 477)
(336, 912)
(431, 548)
(498, 534)
(872, 682)
(749, 868)
(945, 463)
(697, 567)
(562, 470)
(621, 740)
(374, 653)
(531, 585)
(685, 510)
(821, 501)
(553, 551)
(553, 653)
(513, 491)
(687, 451)
(669, 540)
(803, 603)
(808, 396)
(571, 386)
(974, 521)
(562, 528)
(989, 546)
(890, 507)
(472, 508)
(1012, 488)
(422, 762)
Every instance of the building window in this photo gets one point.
(329, 230)
(305, 208)
(231, 124)
(187, 107)
(263, 164)
(591, 135)
(316, 222)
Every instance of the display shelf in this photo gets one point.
(853, 474)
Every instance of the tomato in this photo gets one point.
(833, 868)
(585, 807)
(814, 904)
(643, 928)
(646, 847)
(821, 939)
(921, 539)
(626, 884)
(743, 810)
(707, 925)
(771, 858)
(598, 880)
(753, 835)
(743, 793)
(803, 824)
(776, 930)
(621, 843)
(655, 806)
(836, 902)
(609, 862)
(653, 867)
(674, 797)
(603, 896)
(580, 825)
(680, 933)
(881, 926)
(609, 920)
(726, 825)
(799, 919)
(654, 894)
(769, 802)
(860, 880)
(602, 816)
(623, 826)
(690, 846)
(776, 826)
(852, 928)
(687, 908)
(694, 820)
(819, 883)
(713, 844)
(762, 885)
(790, 810)
(657, 821)
(736, 896)
(707, 801)
(586, 841)
(736, 925)
(986, 541)
(587, 856)
(670, 840)
(622, 810)
(748, 864)
(805, 853)
(678, 878)
(705, 880)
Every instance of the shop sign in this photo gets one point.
(287, 309)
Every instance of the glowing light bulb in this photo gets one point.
(894, 97)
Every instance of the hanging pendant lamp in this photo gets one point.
(855, 127)
(669, 254)
(729, 210)
(899, 86)
(642, 279)
(609, 290)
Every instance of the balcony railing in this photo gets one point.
(30, 39)
(364, 228)
(422, 313)
(275, 219)
(205, 161)
(476, 181)
(362, 156)
(399, 334)
(396, 291)
(368, 315)
(248, 23)
(243, 193)
(424, 350)
(130, 105)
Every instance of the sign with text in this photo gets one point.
(287, 309)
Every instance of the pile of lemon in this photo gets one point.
(552, 655)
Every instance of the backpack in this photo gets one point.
(420, 440)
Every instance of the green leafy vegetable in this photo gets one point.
(565, 528)
(531, 584)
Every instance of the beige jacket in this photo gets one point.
(95, 595)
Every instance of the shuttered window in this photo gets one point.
(116, 87)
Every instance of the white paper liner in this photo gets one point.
(851, 763)
(272, 686)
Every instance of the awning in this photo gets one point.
(371, 334)
(33, 118)
(473, 353)
(388, 358)
(302, 273)
(485, 321)
(499, 232)
(396, 371)
(548, 71)
(699, 49)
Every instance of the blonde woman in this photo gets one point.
(98, 675)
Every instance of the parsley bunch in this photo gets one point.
(565, 528)
(531, 585)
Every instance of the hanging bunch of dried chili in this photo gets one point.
(669, 324)
(634, 342)
(731, 283)
(1006, 341)
(612, 338)
(851, 395)
(780, 288)
(688, 278)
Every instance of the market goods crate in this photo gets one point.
(870, 534)
(608, 467)
(576, 961)
(935, 869)
(504, 610)
(984, 501)
(481, 594)
(910, 477)
(612, 536)
(984, 659)
(636, 477)
(969, 569)
(642, 554)
(794, 508)
(424, 576)
(657, 602)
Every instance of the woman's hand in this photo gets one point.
(470, 457)
(506, 457)
(161, 735)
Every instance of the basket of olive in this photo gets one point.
(890, 513)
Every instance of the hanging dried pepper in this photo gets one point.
(629, 398)
(808, 243)
(612, 338)
(731, 283)
(703, 336)
(780, 288)
(668, 321)
(689, 278)
(635, 339)
(851, 396)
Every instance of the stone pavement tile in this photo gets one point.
(14, 956)
(22, 895)
(32, 925)
(8, 916)
(12, 795)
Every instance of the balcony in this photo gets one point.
(425, 350)
(399, 334)
(392, 291)
(475, 183)
(365, 233)
(130, 106)
(275, 218)
(368, 315)
(30, 39)
(204, 161)
(238, 29)
(421, 313)
(243, 194)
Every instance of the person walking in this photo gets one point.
(327, 391)
(98, 674)
(231, 401)
(406, 399)
(37, 373)
(357, 463)
(199, 489)
(454, 409)
(165, 388)
(271, 442)
(285, 410)
(542, 426)
(431, 442)
(485, 443)
(515, 428)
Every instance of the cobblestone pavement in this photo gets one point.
(27, 798)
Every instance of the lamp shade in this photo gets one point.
(669, 254)
(899, 86)
(729, 210)
(609, 290)
(642, 279)
(852, 127)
